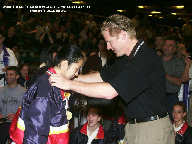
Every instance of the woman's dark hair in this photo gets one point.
(71, 53)
(98, 110)
(22, 65)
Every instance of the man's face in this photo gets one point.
(24, 71)
(169, 47)
(159, 42)
(114, 43)
(11, 31)
(11, 77)
(181, 49)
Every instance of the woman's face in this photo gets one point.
(73, 69)
(178, 113)
(93, 118)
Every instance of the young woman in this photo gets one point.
(91, 132)
(183, 132)
(44, 112)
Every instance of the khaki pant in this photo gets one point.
(153, 132)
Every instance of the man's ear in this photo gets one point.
(17, 76)
(64, 65)
(123, 35)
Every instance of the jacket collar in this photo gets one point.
(100, 134)
(183, 129)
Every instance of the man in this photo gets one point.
(96, 62)
(47, 38)
(187, 31)
(11, 40)
(159, 42)
(7, 58)
(138, 77)
(173, 69)
(10, 99)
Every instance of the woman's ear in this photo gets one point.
(64, 65)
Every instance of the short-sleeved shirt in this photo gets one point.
(140, 80)
(173, 67)
(11, 99)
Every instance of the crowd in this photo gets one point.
(33, 111)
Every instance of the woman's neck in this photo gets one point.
(92, 129)
(177, 124)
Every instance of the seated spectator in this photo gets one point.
(24, 79)
(11, 39)
(7, 58)
(81, 43)
(91, 131)
(183, 132)
(91, 23)
(11, 97)
(60, 34)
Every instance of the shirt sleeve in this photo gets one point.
(190, 71)
(12, 59)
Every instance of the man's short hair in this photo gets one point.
(159, 35)
(172, 39)
(15, 69)
(115, 23)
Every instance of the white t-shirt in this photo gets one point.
(91, 137)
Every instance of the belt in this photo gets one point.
(152, 118)
(171, 93)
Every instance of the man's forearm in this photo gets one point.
(96, 90)
(174, 80)
(185, 74)
(89, 78)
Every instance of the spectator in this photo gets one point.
(187, 31)
(24, 80)
(11, 97)
(159, 42)
(91, 131)
(173, 69)
(7, 58)
(11, 40)
(47, 38)
(91, 23)
(183, 132)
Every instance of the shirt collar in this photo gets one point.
(136, 48)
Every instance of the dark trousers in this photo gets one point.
(4, 132)
(172, 98)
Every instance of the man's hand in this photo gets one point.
(60, 81)
(187, 58)
(10, 116)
